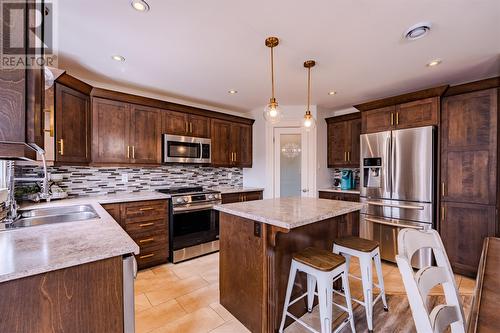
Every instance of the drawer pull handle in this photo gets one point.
(146, 224)
(146, 209)
(147, 256)
(146, 240)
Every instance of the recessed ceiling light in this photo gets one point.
(140, 5)
(331, 93)
(417, 31)
(118, 58)
(232, 91)
(434, 62)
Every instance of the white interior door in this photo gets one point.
(291, 163)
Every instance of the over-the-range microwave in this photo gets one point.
(186, 149)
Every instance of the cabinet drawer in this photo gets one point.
(144, 211)
(145, 228)
(151, 241)
(152, 257)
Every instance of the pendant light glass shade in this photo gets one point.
(309, 122)
(272, 112)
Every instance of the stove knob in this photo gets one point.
(180, 200)
(211, 197)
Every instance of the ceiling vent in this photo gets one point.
(418, 30)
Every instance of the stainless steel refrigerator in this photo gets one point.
(397, 179)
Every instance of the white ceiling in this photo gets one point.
(197, 50)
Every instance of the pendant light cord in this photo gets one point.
(272, 72)
(308, 89)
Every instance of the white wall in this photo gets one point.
(261, 173)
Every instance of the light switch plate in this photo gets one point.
(125, 177)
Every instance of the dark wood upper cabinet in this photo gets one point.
(21, 97)
(221, 142)
(378, 120)
(145, 135)
(231, 144)
(179, 123)
(469, 147)
(174, 123)
(110, 131)
(343, 140)
(199, 126)
(463, 230)
(72, 120)
(419, 113)
(241, 145)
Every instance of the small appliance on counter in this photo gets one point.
(347, 180)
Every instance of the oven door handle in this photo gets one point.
(393, 224)
(394, 206)
(194, 208)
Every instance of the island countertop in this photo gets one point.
(291, 212)
(34, 250)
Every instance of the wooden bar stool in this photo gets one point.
(366, 250)
(322, 268)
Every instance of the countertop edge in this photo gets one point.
(281, 224)
(334, 190)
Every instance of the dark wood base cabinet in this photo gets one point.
(78, 299)
(339, 196)
(146, 222)
(463, 230)
(241, 197)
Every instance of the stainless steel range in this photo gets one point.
(194, 225)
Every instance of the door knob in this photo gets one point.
(305, 190)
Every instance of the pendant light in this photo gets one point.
(309, 121)
(272, 112)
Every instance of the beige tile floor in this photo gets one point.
(185, 297)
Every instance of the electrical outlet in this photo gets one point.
(125, 177)
(229, 175)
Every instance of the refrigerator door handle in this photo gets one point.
(392, 224)
(389, 166)
(394, 206)
(393, 163)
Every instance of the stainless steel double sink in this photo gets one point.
(41, 216)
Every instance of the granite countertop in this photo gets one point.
(338, 190)
(290, 213)
(34, 250)
(227, 190)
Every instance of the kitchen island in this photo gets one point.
(257, 241)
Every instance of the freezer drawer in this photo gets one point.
(385, 231)
(401, 210)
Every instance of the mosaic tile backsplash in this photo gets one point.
(90, 181)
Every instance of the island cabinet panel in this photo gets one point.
(110, 131)
(241, 197)
(145, 135)
(72, 118)
(83, 298)
(343, 140)
(255, 262)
